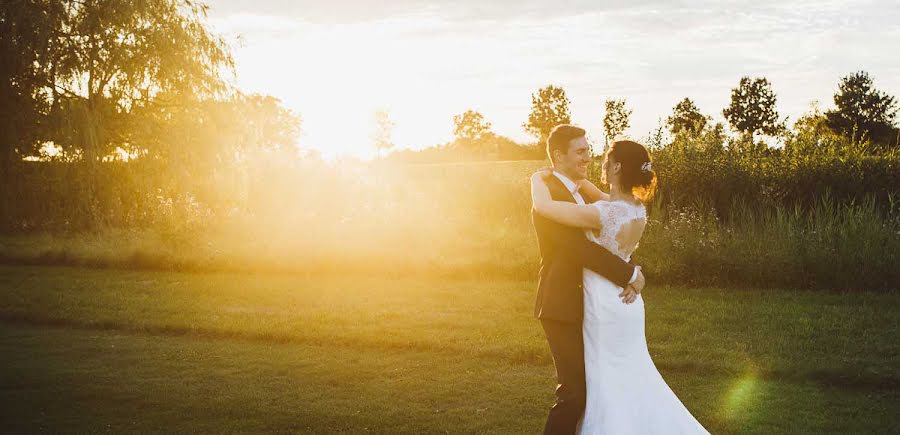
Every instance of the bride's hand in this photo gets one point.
(543, 173)
(590, 191)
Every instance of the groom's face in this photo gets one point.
(574, 162)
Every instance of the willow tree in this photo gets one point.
(26, 27)
(113, 57)
(22, 45)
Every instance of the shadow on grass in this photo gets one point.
(147, 261)
(826, 378)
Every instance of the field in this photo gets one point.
(398, 299)
(448, 220)
(180, 253)
(91, 350)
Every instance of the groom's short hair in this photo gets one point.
(561, 136)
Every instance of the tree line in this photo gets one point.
(862, 116)
(148, 78)
(88, 85)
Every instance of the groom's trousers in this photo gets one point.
(567, 347)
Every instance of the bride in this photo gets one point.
(625, 392)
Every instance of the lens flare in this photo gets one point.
(741, 397)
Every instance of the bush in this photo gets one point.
(828, 246)
(711, 170)
(721, 218)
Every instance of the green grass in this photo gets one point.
(87, 350)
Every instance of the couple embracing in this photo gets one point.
(589, 294)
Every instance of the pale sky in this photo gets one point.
(337, 62)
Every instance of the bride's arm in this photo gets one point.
(591, 192)
(566, 213)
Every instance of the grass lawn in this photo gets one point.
(91, 350)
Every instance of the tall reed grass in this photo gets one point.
(469, 219)
(828, 246)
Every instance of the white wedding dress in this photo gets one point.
(625, 392)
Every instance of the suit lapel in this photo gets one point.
(558, 190)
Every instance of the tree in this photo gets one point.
(470, 126)
(112, 57)
(382, 135)
(686, 117)
(27, 29)
(863, 112)
(811, 136)
(549, 108)
(268, 124)
(752, 109)
(616, 119)
(220, 131)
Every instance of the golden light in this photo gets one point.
(741, 397)
(336, 77)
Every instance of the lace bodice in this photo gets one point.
(614, 215)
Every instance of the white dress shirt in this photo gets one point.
(573, 189)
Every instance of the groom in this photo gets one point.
(565, 251)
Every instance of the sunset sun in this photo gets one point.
(461, 217)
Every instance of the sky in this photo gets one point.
(337, 62)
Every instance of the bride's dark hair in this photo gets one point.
(637, 176)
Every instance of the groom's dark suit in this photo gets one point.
(565, 252)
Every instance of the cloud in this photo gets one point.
(351, 11)
(430, 59)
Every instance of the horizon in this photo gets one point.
(425, 62)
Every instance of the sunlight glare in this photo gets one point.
(741, 397)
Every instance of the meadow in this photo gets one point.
(453, 220)
(398, 299)
(90, 350)
(176, 256)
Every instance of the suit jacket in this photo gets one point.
(565, 252)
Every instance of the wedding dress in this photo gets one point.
(625, 392)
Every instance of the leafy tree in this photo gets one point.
(811, 137)
(752, 109)
(470, 125)
(616, 119)
(214, 132)
(686, 117)
(114, 56)
(863, 112)
(267, 124)
(549, 108)
(27, 28)
(382, 135)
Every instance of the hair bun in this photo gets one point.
(637, 175)
(646, 178)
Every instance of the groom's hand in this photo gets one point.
(639, 281)
(629, 295)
